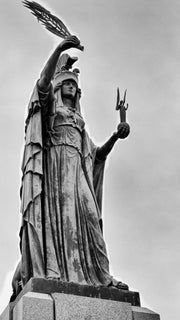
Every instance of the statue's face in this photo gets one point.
(69, 89)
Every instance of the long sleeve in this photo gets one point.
(103, 151)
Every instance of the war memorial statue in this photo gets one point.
(61, 193)
(61, 236)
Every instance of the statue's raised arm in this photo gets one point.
(50, 67)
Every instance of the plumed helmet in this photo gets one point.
(63, 71)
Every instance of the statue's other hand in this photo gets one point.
(70, 42)
(123, 130)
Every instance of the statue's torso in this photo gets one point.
(67, 126)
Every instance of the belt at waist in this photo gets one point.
(73, 125)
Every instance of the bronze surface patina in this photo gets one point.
(62, 179)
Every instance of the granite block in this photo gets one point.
(62, 306)
(71, 307)
(34, 306)
(144, 314)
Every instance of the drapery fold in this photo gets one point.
(49, 228)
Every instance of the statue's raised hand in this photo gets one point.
(70, 42)
(123, 130)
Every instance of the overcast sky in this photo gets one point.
(132, 44)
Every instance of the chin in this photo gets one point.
(69, 96)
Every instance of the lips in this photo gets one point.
(70, 90)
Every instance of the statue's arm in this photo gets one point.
(106, 148)
(122, 133)
(50, 66)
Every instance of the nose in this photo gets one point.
(70, 85)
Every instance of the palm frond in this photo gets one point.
(48, 20)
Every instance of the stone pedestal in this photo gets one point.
(34, 306)
(54, 300)
(144, 314)
(81, 308)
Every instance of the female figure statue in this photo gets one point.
(61, 234)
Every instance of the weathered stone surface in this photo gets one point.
(144, 314)
(55, 286)
(61, 306)
(34, 306)
(62, 181)
(71, 307)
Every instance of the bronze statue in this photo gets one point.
(62, 177)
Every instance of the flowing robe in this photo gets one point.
(61, 233)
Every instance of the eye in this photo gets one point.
(65, 83)
(70, 83)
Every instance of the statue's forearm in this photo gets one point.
(103, 151)
(49, 69)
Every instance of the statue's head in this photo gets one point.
(66, 80)
(69, 89)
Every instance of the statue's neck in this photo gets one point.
(68, 102)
